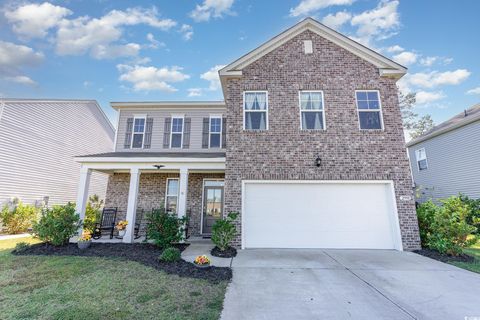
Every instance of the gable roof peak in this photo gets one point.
(386, 66)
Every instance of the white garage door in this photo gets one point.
(319, 215)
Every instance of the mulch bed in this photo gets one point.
(433, 254)
(144, 253)
(229, 253)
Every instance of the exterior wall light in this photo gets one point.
(318, 162)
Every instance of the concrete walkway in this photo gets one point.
(348, 284)
(199, 247)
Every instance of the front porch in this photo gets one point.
(190, 186)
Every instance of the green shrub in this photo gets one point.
(449, 229)
(473, 216)
(92, 212)
(426, 214)
(57, 225)
(170, 255)
(165, 228)
(18, 218)
(224, 231)
(21, 246)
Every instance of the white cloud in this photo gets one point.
(187, 32)
(379, 23)
(13, 58)
(98, 35)
(306, 7)
(154, 43)
(14, 55)
(150, 78)
(474, 91)
(114, 51)
(195, 92)
(406, 58)
(395, 48)
(335, 21)
(429, 61)
(34, 20)
(211, 9)
(424, 97)
(435, 78)
(21, 80)
(212, 77)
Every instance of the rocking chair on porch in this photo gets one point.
(107, 223)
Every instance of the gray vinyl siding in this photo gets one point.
(159, 116)
(38, 143)
(453, 164)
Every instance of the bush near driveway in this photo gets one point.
(224, 231)
(18, 217)
(444, 227)
(57, 225)
(473, 216)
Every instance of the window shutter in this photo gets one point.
(206, 125)
(224, 132)
(186, 132)
(128, 134)
(148, 133)
(166, 132)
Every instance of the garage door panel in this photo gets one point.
(313, 215)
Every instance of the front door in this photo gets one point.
(212, 207)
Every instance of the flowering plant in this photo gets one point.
(202, 260)
(121, 225)
(86, 236)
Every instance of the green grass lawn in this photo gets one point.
(53, 287)
(475, 252)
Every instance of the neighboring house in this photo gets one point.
(308, 147)
(445, 161)
(38, 142)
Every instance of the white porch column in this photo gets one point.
(132, 205)
(182, 195)
(82, 193)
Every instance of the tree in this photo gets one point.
(407, 103)
(422, 125)
(411, 121)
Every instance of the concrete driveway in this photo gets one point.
(348, 284)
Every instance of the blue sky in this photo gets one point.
(170, 50)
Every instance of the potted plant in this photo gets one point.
(121, 227)
(85, 240)
(202, 262)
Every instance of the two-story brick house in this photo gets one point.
(308, 147)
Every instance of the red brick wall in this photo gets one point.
(284, 152)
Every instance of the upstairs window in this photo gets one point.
(138, 132)
(255, 108)
(369, 109)
(215, 137)
(421, 159)
(177, 133)
(311, 110)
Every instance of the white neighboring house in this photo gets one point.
(38, 142)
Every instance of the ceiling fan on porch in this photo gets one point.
(158, 166)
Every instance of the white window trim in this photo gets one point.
(138, 116)
(369, 110)
(210, 132)
(322, 110)
(171, 130)
(266, 109)
(203, 198)
(418, 160)
(167, 195)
